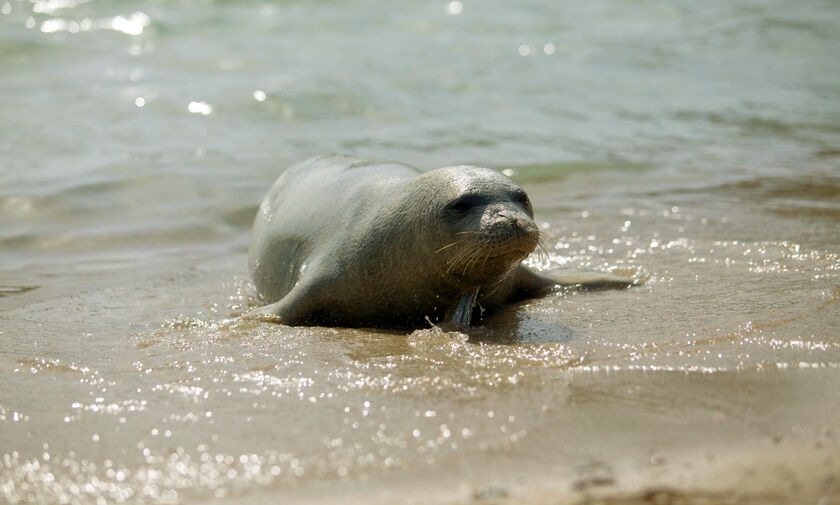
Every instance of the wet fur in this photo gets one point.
(345, 241)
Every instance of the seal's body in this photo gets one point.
(353, 242)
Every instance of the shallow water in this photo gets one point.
(692, 146)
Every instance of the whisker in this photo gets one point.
(542, 250)
(450, 245)
(470, 259)
(465, 251)
(486, 258)
(485, 247)
(462, 254)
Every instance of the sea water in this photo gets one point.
(692, 145)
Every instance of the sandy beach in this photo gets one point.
(691, 147)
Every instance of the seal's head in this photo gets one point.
(487, 224)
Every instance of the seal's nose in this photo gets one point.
(510, 229)
(513, 217)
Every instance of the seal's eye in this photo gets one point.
(460, 205)
(522, 198)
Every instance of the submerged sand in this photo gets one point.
(713, 381)
(691, 145)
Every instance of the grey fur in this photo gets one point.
(345, 241)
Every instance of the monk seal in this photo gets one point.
(345, 241)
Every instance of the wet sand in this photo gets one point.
(692, 146)
(713, 381)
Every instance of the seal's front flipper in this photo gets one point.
(590, 279)
(293, 309)
(460, 316)
(268, 313)
(532, 284)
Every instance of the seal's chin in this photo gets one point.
(491, 261)
(511, 254)
(507, 257)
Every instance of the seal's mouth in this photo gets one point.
(490, 250)
(485, 257)
(516, 244)
(512, 254)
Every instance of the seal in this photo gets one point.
(345, 241)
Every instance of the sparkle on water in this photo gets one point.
(691, 146)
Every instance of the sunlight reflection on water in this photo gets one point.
(690, 146)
